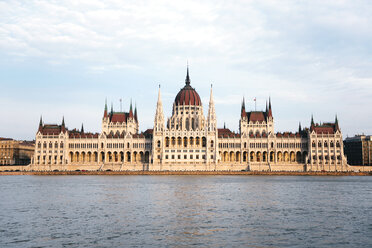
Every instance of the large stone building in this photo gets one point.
(189, 140)
(358, 150)
(16, 152)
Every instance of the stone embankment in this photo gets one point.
(240, 173)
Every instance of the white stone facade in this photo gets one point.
(190, 141)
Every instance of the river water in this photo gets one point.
(184, 211)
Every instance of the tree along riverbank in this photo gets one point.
(241, 173)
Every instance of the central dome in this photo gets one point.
(187, 95)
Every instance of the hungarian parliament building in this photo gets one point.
(189, 141)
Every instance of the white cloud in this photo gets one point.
(306, 55)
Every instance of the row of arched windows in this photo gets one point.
(325, 144)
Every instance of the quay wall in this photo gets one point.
(265, 167)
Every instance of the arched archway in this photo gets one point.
(258, 157)
(237, 157)
(264, 157)
(232, 158)
(253, 157)
(286, 156)
(292, 157)
(272, 156)
(280, 157)
(245, 156)
(298, 157)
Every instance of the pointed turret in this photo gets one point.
(312, 123)
(336, 124)
(82, 128)
(130, 109)
(212, 122)
(270, 114)
(112, 108)
(135, 112)
(105, 111)
(40, 123)
(159, 115)
(243, 113)
(299, 127)
(63, 121)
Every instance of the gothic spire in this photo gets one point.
(131, 109)
(212, 123)
(63, 121)
(112, 108)
(159, 115)
(187, 81)
(336, 123)
(135, 112)
(299, 127)
(82, 127)
(243, 112)
(105, 111)
(41, 121)
(270, 114)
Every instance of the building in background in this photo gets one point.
(358, 150)
(189, 140)
(16, 152)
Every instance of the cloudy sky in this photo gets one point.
(63, 58)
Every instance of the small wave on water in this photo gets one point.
(184, 211)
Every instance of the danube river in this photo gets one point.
(184, 211)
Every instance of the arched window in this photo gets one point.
(245, 144)
(61, 145)
(325, 144)
(319, 144)
(187, 124)
(56, 145)
(204, 142)
(158, 143)
(39, 145)
(331, 144)
(50, 145)
(166, 142)
(212, 143)
(313, 144)
(338, 144)
(193, 124)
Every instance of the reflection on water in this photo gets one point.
(180, 211)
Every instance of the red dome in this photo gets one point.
(187, 96)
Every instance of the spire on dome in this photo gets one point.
(187, 81)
